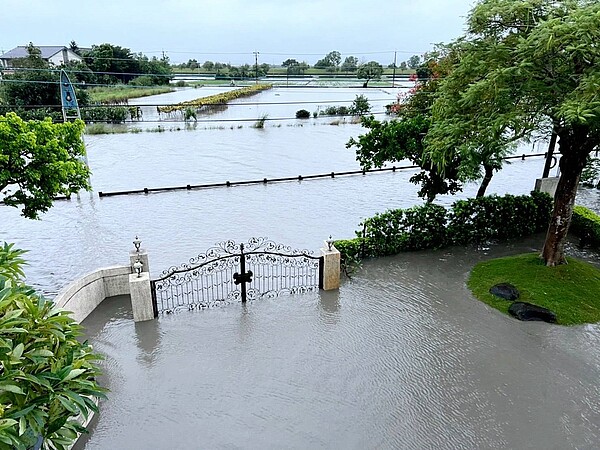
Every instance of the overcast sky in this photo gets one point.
(230, 30)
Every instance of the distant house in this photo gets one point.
(55, 54)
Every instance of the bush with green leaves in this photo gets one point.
(493, 217)
(360, 106)
(586, 224)
(107, 114)
(47, 376)
(398, 230)
(430, 226)
(302, 114)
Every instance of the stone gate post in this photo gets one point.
(331, 266)
(139, 284)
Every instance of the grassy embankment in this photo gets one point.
(217, 99)
(119, 94)
(570, 290)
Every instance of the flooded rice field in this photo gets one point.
(83, 234)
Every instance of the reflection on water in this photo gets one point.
(400, 357)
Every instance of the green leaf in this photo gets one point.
(11, 388)
(74, 373)
(18, 351)
(40, 352)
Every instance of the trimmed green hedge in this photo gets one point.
(472, 221)
(586, 225)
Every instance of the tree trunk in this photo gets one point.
(571, 164)
(489, 173)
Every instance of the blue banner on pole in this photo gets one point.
(67, 95)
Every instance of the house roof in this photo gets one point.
(21, 51)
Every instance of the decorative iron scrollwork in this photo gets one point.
(208, 279)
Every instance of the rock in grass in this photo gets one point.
(527, 311)
(505, 290)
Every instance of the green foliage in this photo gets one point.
(394, 231)
(217, 99)
(413, 62)
(350, 64)
(260, 123)
(143, 80)
(33, 87)
(472, 221)
(360, 106)
(40, 161)
(302, 114)
(121, 93)
(522, 69)
(47, 381)
(370, 71)
(331, 61)
(591, 172)
(400, 140)
(570, 290)
(498, 218)
(586, 225)
(351, 252)
(189, 113)
(335, 111)
(119, 64)
(106, 114)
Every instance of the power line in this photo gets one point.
(158, 105)
(267, 119)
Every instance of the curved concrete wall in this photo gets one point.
(83, 295)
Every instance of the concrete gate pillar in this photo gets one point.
(141, 296)
(331, 267)
(139, 284)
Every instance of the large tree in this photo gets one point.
(526, 67)
(350, 64)
(331, 61)
(370, 71)
(40, 161)
(403, 138)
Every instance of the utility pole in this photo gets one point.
(256, 67)
(394, 74)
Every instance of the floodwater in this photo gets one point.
(402, 357)
(80, 235)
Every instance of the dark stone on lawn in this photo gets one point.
(527, 311)
(505, 290)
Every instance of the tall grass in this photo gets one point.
(260, 123)
(120, 94)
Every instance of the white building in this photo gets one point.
(54, 54)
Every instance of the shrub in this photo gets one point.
(397, 230)
(586, 225)
(302, 114)
(478, 220)
(107, 114)
(351, 252)
(143, 80)
(47, 381)
(189, 113)
(471, 221)
(260, 123)
(360, 106)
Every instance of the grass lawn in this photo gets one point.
(572, 291)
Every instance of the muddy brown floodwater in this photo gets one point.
(402, 357)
